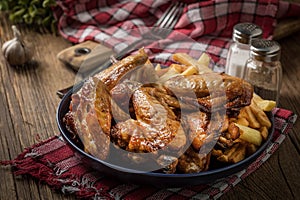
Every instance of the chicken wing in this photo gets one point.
(211, 89)
(90, 108)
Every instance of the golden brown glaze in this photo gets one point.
(197, 123)
(90, 109)
(113, 74)
(211, 89)
(155, 126)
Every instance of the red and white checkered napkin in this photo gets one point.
(54, 163)
(208, 22)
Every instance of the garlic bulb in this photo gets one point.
(15, 52)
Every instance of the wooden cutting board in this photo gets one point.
(85, 56)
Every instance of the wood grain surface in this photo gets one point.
(28, 105)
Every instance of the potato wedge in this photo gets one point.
(185, 59)
(239, 154)
(256, 98)
(260, 115)
(204, 59)
(249, 134)
(172, 71)
(264, 132)
(243, 121)
(266, 105)
(157, 68)
(190, 71)
(253, 122)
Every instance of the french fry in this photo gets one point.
(178, 67)
(264, 132)
(233, 130)
(225, 124)
(190, 71)
(232, 119)
(256, 98)
(223, 158)
(172, 71)
(234, 154)
(239, 154)
(216, 152)
(260, 115)
(243, 113)
(204, 59)
(185, 59)
(265, 105)
(161, 71)
(253, 123)
(228, 152)
(242, 121)
(225, 141)
(251, 148)
(157, 68)
(249, 134)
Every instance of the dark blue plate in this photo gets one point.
(152, 178)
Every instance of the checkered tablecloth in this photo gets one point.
(208, 23)
(55, 163)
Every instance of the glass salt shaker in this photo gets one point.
(263, 69)
(239, 51)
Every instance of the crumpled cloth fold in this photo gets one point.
(54, 163)
(208, 22)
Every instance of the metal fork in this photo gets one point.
(160, 30)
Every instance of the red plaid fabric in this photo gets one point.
(54, 163)
(208, 23)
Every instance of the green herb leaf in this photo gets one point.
(31, 12)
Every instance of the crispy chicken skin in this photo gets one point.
(89, 117)
(90, 109)
(230, 91)
(155, 126)
(197, 123)
(113, 74)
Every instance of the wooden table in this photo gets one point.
(28, 105)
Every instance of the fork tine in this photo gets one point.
(174, 18)
(169, 15)
(169, 20)
(166, 15)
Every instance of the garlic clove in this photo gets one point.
(14, 50)
(15, 54)
(7, 44)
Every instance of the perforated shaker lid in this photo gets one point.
(265, 50)
(244, 32)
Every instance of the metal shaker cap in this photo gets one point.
(244, 32)
(265, 50)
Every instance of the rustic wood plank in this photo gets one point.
(29, 105)
(5, 129)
